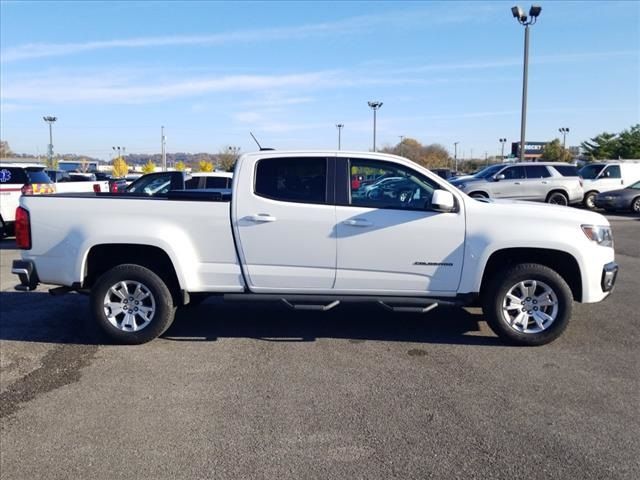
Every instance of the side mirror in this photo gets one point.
(442, 201)
(497, 178)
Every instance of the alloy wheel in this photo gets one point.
(530, 306)
(129, 305)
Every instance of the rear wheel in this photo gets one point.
(131, 304)
(558, 198)
(528, 304)
(589, 200)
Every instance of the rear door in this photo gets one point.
(538, 183)
(285, 224)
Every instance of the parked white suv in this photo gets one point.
(550, 182)
(606, 176)
(16, 179)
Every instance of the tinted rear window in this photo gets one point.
(537, 171)
(567, 170)
(216, 182)
(20, 176)
(301, 180)
(37, 175)
(12, 176)
(192, 183)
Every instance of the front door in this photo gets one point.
(389, 239)
(285, 225)
(511, 186)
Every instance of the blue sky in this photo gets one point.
(210, 72)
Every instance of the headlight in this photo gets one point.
(600, 234)
(461, 186)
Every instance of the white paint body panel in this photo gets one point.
(307, 248)
(196, 237)
(73, 187)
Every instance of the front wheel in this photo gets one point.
(589, 200)
(131, 304)
(528, 304)
(635, 205)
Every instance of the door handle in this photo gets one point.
(544, 183)
(261, 218)
(358, 223)
(516, 183)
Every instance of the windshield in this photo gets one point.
(589, 172)
(635, 186)
(488, 171)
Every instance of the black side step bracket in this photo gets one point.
(311, 306)
(413, 309)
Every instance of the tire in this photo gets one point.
(635, 205)
(146, 289)
(511, 322)
(558, 198)
(588, 200)
(478, 195)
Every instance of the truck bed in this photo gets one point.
(196, 236)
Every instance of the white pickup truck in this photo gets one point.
(297, 229)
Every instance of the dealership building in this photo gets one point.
(533, 150)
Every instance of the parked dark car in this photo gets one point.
(624, 199)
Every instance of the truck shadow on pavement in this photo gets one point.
(209, 322)
(38, 317)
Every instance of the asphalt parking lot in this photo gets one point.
(247, 392)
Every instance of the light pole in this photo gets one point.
(455, 155)
(519, 15)
(401, 144)
(340, 126)
(375, 106)
(502, 142)
(564, 131)
(50, 120)
(117, 149)
(163, 145)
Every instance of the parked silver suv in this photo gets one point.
(551, 182)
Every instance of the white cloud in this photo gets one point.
(435, 14)
(116, 89)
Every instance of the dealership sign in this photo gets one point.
(530, 148)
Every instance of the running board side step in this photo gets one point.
(324, 303)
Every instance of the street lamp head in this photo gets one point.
(534, 11)
(339, 125)
(517, 12)
(49, 119)
(375, 104)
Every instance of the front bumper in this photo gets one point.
(611, 203)
(26, 271)
(609, 275)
